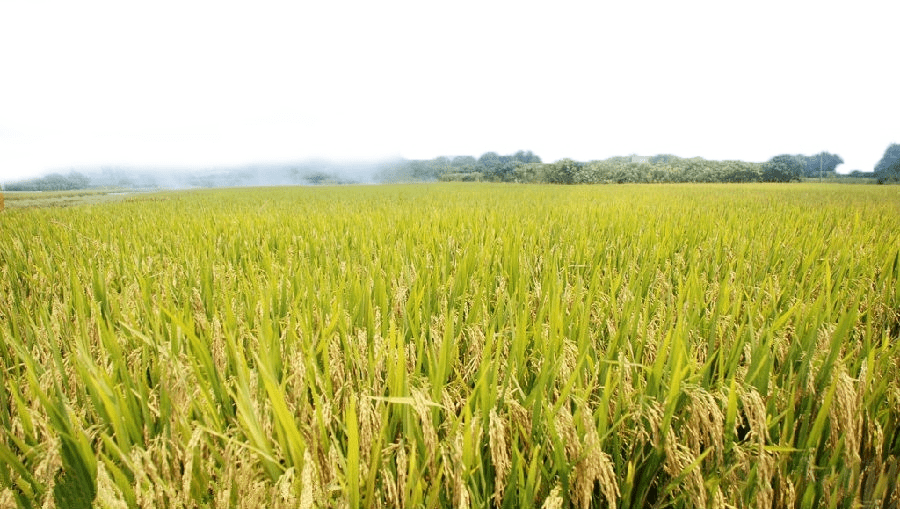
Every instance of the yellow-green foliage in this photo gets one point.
(454, 346)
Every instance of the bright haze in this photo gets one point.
(205, 84)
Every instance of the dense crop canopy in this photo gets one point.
(454, 346)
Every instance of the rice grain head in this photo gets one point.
(519, 416)
(109, 496)
(595, 467)
(499, 455)
(368, 426)
(787, 492)
(462, 495)
(718, 501)
(390, 494)
(193, 443)
(50, 463)
(706, 421)
(402, 467)
(284, 487)
(755, 414)
(845, 414)
(554, 500)
(199, 311)
(565, 426)
(421, 404)
(678, 459)
(307, 482)
(7, 498)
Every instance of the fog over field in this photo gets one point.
(308, 172)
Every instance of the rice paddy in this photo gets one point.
(454, 345)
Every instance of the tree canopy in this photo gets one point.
(821, 164)
(52, 182)
(783, 168)
(888, 168)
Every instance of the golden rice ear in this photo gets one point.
(554, 500)
(787, 492)
(718, 501)
(402, 463)
(309, 482)
(755, 416)
(109, 496)
(285, 489)
(706, 424)
(499, 454)
(596, 467)
(680, 462)
(846, 417)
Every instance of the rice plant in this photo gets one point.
(454, 345)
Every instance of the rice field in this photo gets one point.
(454, 345)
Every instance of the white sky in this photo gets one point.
(209, 83)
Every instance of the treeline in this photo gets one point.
(522, 167)
(657, 169)
(632, 169)
(489, 167)
(52, 182)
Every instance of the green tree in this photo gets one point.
(563, 171)
(526, 157)
(460, 161)
(441, 165)
(821, 164)
(888, 168)
(489, 159)
(783, 168)
(52, 182)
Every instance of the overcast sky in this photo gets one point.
(215, 83)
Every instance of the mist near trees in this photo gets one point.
(521, 167)
(257, 175)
